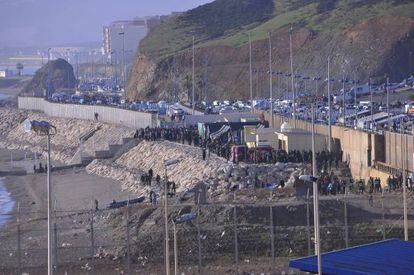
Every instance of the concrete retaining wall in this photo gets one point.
(128, 118)
(359, 147)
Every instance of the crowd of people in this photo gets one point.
(147, 180)
(328, 184)
(184, 135)
(40, 169)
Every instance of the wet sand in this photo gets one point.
(74, 192)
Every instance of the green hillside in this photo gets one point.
(221, 18)
(227, 22)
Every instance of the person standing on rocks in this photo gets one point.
(158, 179)
(204, 153)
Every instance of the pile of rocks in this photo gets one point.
(66, 141)
(219, 174)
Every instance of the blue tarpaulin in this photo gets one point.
(385, 257)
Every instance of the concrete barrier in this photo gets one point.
(361, 149)
(107, 114)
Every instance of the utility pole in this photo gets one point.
(355, 102)
(123, 57)
(315, 196)
(193, 101)
(388, 105)
(329, 107)
(205, 79)
(372, 103)
(49, 71)
(49, 209)
(175, 96)
(250, 73)
(68, 60)
(271, 79)
(292, 76)
(404, 158)
(344, 105)
(167, 247)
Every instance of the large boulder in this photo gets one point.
(56, 73)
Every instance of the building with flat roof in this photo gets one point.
(133, 31)
(123, 35)
(286, 138)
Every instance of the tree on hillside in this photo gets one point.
(19, 67)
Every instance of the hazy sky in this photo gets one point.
(52, 22)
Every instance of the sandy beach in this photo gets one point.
(74, 192)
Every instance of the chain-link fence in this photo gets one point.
(231, 237)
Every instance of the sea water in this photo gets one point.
(4, 96)
(6, 204)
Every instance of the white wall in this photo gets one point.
(128, 118)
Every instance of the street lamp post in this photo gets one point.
(44, 128)
(193, 90)
(48, 74)
(123, 57)
(68, 60)
(388, 105)
(329, 107)
(167, 163)
(403, 158)
(292, 75)
(250, 73)
(372, 103)
(271, 79)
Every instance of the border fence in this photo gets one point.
(233, 237)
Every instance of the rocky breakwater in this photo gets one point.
(66, 141)
(219, 174)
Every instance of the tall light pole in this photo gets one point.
(355, 102)
(343, 97)
(388, 104)
(372, 103)
(123, 57)
(292, 75)
(44, 128)
(193, 99)
(250, 73)
(167, 163)
(49, 70)
(68, 60)
(271, 79)
(403, 158)
(329, 107)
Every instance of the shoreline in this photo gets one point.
(73, 190)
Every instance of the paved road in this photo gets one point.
(189, 110)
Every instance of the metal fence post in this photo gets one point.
(92, 243)
(56, 247)
(127, 240)
(236, 246)
(308, 229)
(198, 237)
(346, 222)
(272, 240)
(19, 252)
(383, 216)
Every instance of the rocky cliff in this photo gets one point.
(56, 73)
(363, 38)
